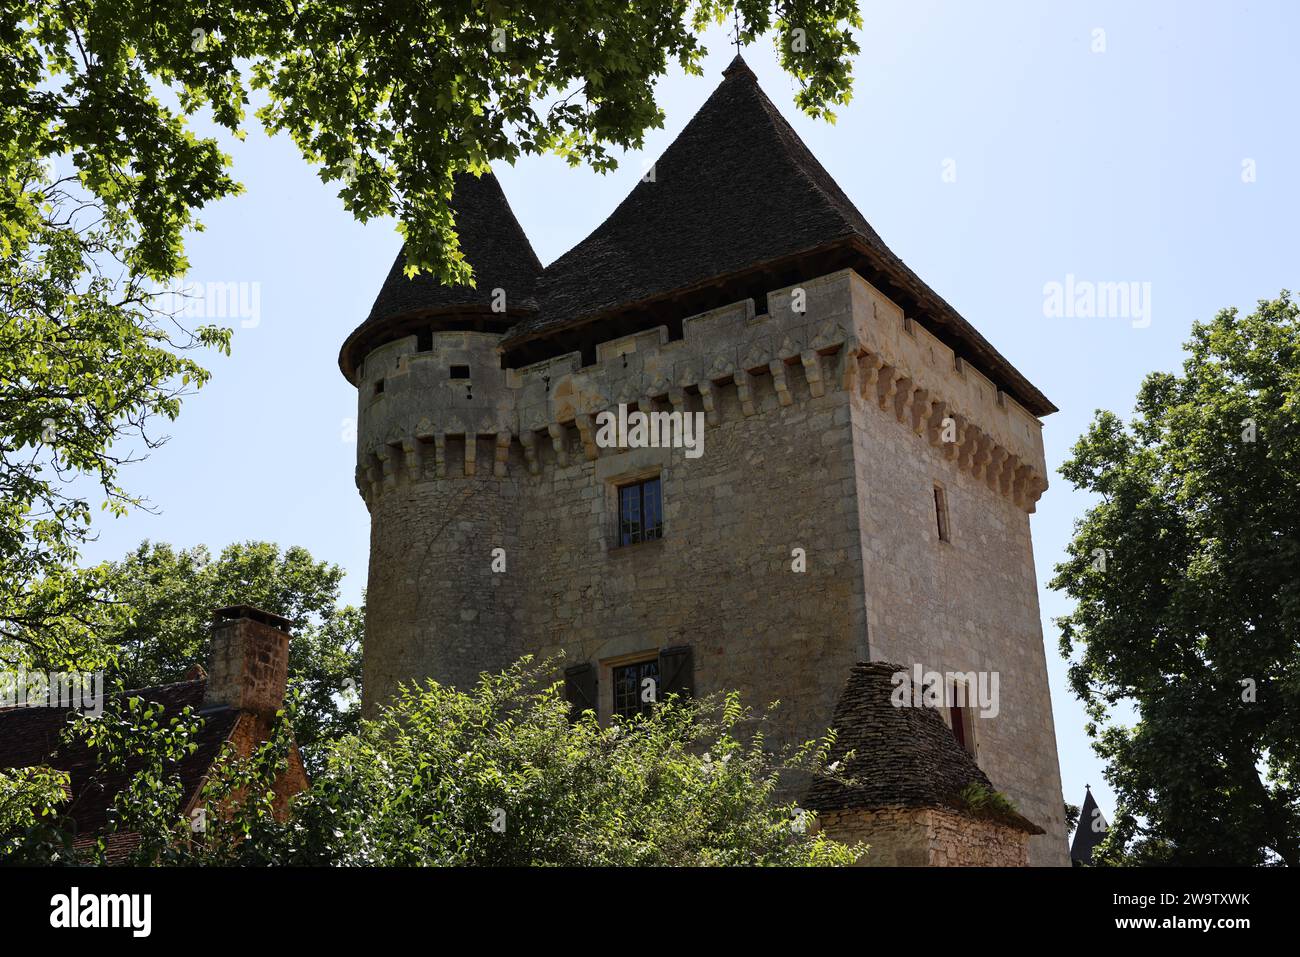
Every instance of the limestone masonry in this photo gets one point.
(856, 427)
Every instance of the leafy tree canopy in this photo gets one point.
(1186, 582)
(170, 595)
(388, 98)
(87, 363)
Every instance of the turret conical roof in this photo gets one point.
(495, 246)
(898, 756)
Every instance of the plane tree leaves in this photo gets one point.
(1185, 575)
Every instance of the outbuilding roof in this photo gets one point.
(898, 756)
(34, 737)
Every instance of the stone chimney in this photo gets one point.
(249, 663)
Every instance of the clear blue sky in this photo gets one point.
(1123, 165)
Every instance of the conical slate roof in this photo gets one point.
(495, 246)
(902, 756)
(1086, 837)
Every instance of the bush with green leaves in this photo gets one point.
(497, 775)
(501, 775)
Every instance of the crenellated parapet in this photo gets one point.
(450, 411)
(948, 403)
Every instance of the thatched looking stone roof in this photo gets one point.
(736, 205)
(901, 756)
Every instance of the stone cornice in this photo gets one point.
(847, 336)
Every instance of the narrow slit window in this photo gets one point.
(379, 387)
(640, 512)
(941, 514)
(961, 716)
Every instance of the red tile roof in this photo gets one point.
(33, 737)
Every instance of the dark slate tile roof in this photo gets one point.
(902, 757)
(1085, 838)
(31, 737)
(737, 189)
(118, 846)
(493, 243)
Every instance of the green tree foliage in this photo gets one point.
(1071, 817)
(87, 360)
(499, 775)
(170, 594)
(30, 800)
(102, 177)
(389, 98)
(1186, 582)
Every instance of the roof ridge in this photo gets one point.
(110, 692)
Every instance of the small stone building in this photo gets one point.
(905, 785)
(869, 467)
(237, 699)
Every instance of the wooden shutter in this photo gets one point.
(580, 689)
(676, 672)
(958, 717)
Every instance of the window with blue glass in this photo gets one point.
(640, 512)
(636, 688)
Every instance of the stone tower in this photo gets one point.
(869, 464)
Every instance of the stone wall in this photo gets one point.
(721, 579)
(434, 607)
(927, 837)
(969, 604)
